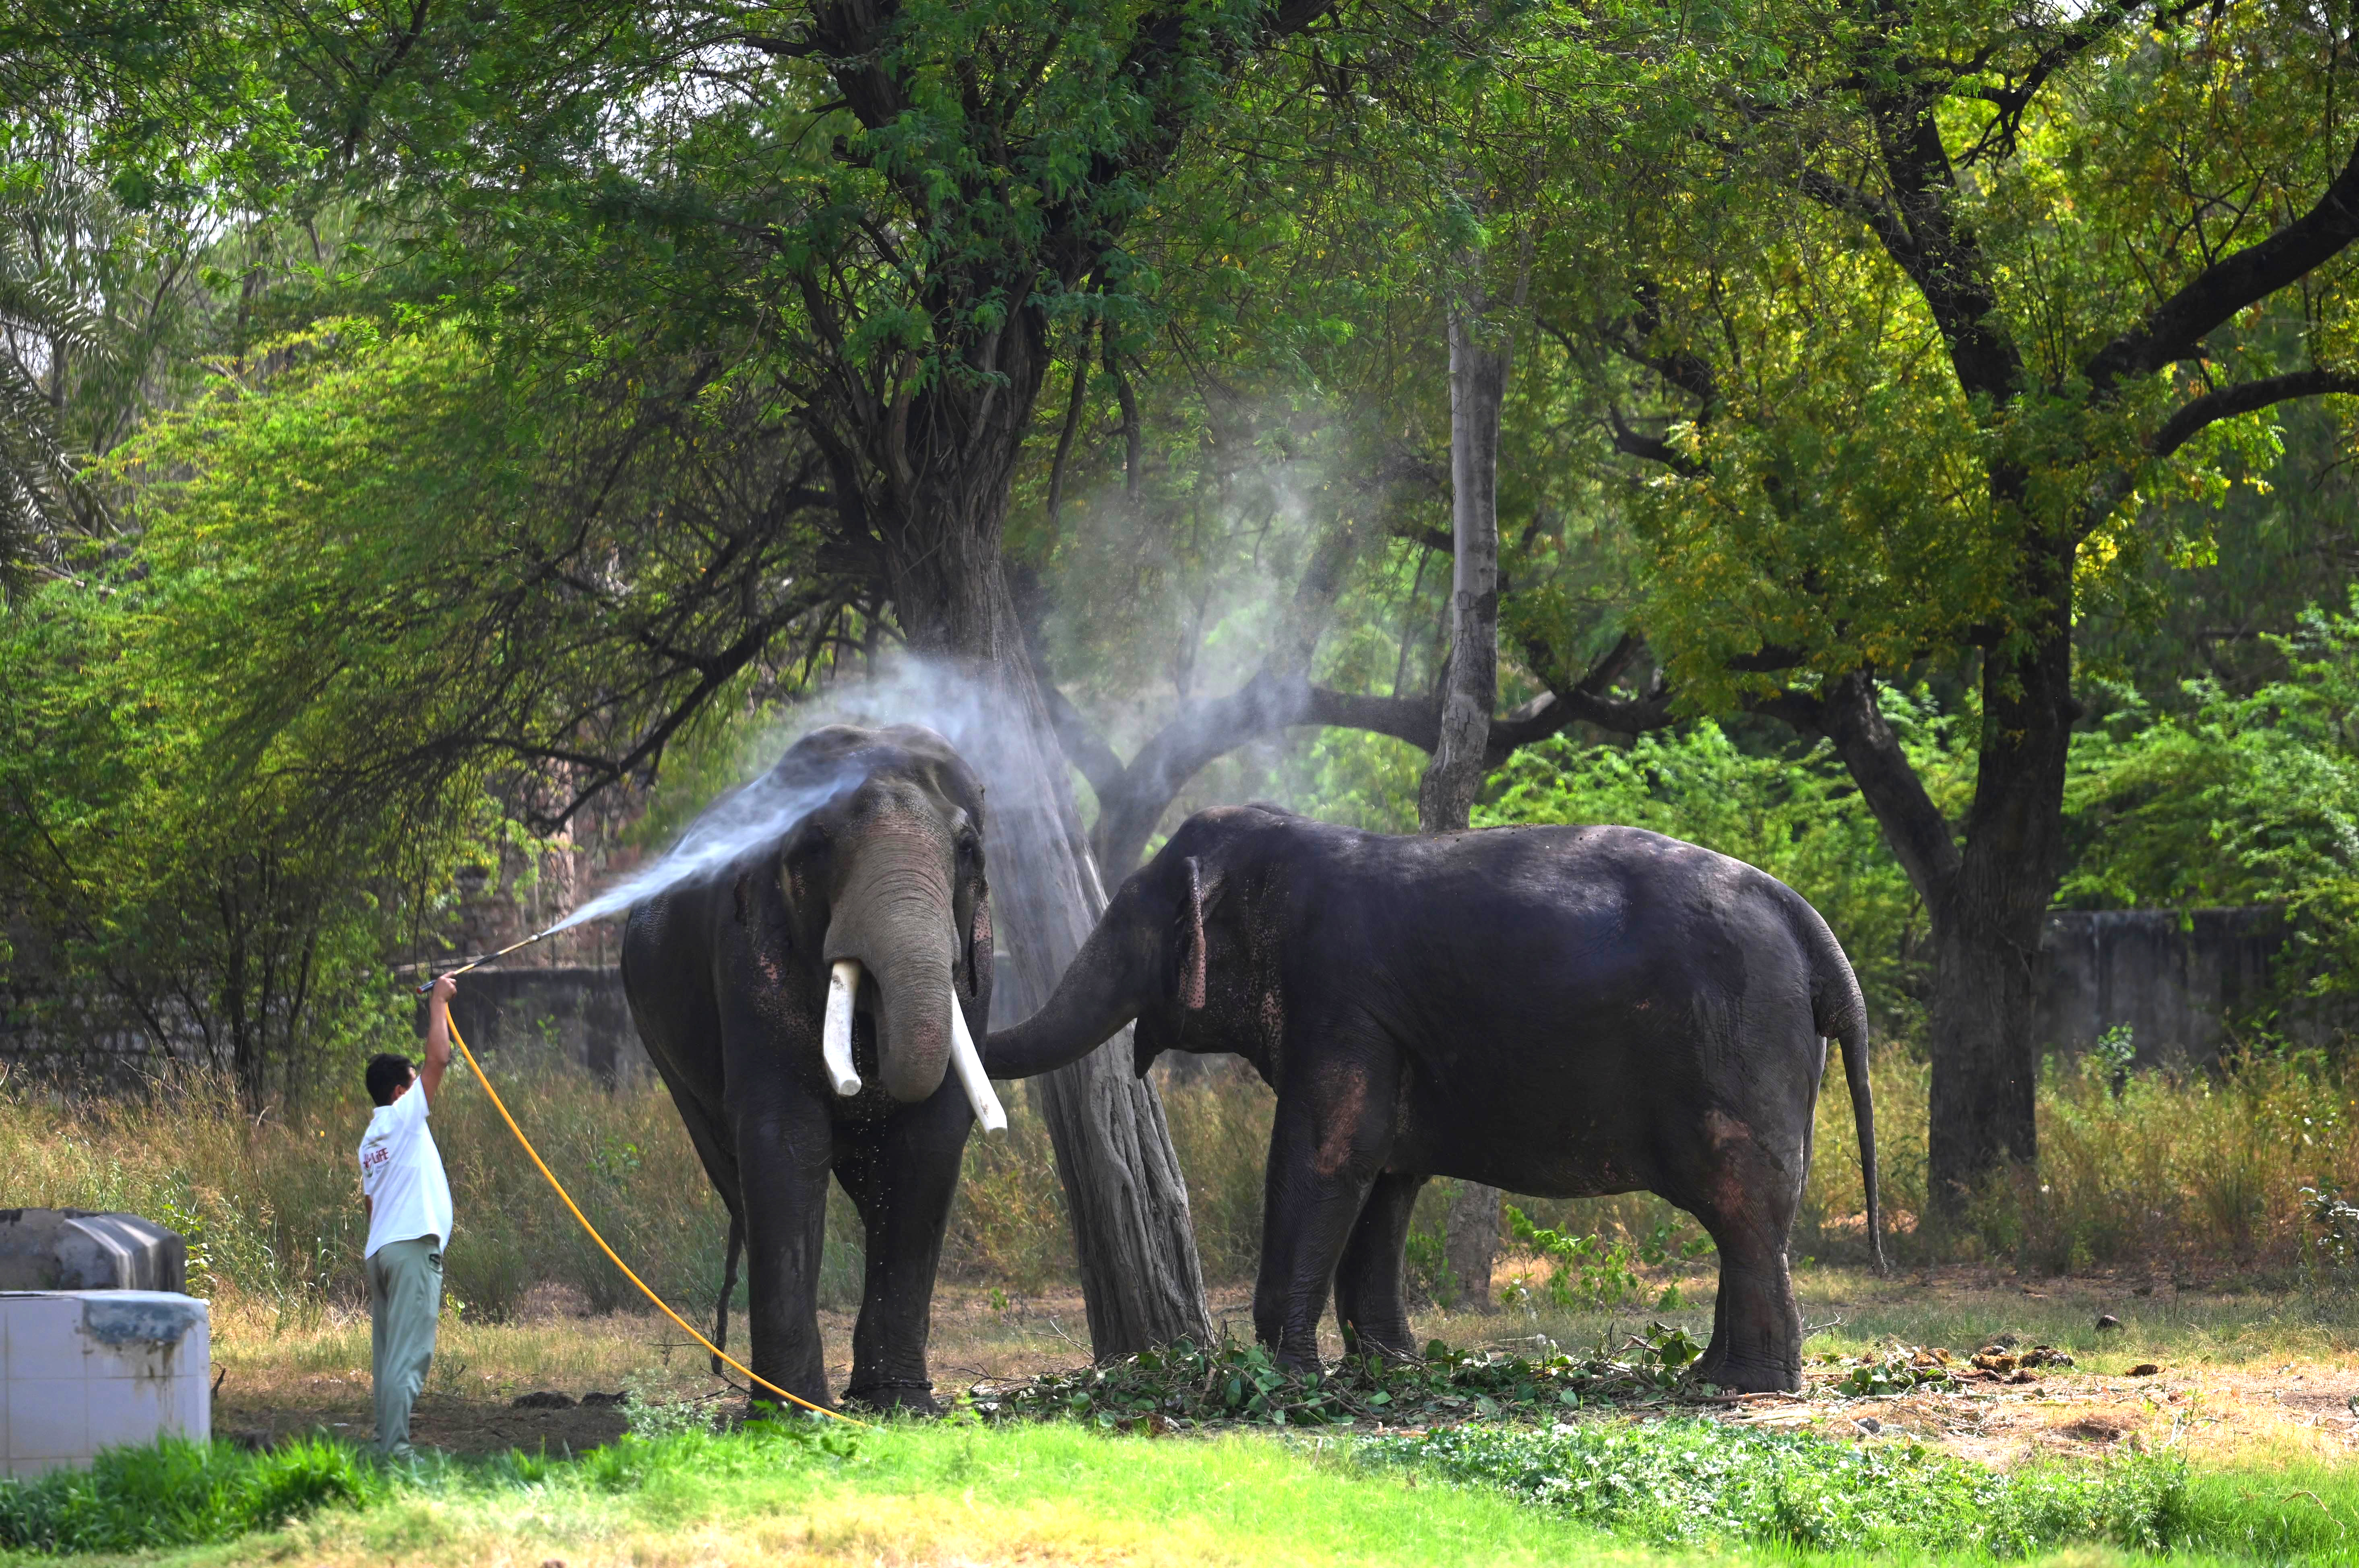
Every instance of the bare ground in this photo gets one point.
(2238, 1369)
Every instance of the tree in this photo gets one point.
(912, 206)
(1934, 309)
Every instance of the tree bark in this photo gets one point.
(941, 521)
(1986, 900)
(1478, 386)
(1986, 936)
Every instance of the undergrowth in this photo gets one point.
(180, 1493)
(2189, 1173)
(1182, 1385)
(1688, 1481)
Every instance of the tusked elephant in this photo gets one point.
(1563, 1011)
(813, 1006)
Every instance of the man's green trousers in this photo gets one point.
(405, 1298)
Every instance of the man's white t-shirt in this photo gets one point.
(401, 1172)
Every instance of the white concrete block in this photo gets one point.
(92, 1369)
(49, 1418)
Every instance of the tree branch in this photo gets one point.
(2174, 330)
(1653, 448)
(1846, 714)
(2245, 397)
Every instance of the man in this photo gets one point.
(408, 1203)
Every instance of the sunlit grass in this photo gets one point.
(1068, 1494)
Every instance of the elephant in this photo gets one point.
(1560, 1011)
(813, 1005)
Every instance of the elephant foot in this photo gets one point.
(881, 1398)
(1400, 1348)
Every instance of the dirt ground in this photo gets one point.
(2238, 1369)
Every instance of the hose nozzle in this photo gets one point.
(478, 963)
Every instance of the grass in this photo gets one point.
(1064, 1493)
(179, 1493)
(2175, 1178)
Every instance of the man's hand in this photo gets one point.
(438, 1037)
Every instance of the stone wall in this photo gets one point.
(535, 1019)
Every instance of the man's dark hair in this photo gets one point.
(387, 1071)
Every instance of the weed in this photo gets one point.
(179, 1493)
(650, 1415)
(1240, 1383)
(1685, 1481)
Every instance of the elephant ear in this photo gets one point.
(1191, 946)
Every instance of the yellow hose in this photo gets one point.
(662, 1306)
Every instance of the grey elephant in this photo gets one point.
(813, 1007)
(1564, 1011)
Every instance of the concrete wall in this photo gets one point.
(2178, 979)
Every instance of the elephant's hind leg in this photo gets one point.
(1368, 1301)
(1751, 1194)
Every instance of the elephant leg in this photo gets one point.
(1326, 1149)
(1368, 1305)
(784, 1144)
(902, 1181)
(1748, 1203)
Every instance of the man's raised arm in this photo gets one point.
(438, 1038)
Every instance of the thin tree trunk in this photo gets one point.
(1478, 386)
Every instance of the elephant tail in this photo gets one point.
(728, 1289)
(1839, 1013)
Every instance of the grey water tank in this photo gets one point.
(75, 1249)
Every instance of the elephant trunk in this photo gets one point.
(1102, 989)
(894, 918)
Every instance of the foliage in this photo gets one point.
(650, 1417)
(1593, 1271)
(2173, 1169)
(2236, 800)
(1681, 1481)
(175, 1492)
(2332, 1249)
(1239, 1383)
(1896, 1369)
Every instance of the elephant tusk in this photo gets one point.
(968, 1062)
(835, 1034)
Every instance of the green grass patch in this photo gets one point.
(179, 1493)
(1584, 1494)
(1686, 1482)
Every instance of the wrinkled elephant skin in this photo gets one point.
(728, 982)
(1564, 1011)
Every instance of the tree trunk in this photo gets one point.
(1445, 797)
(1133, 1237)
(1987, 900)
(1470, 1243)
(1478, 385)
(1986, 933)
